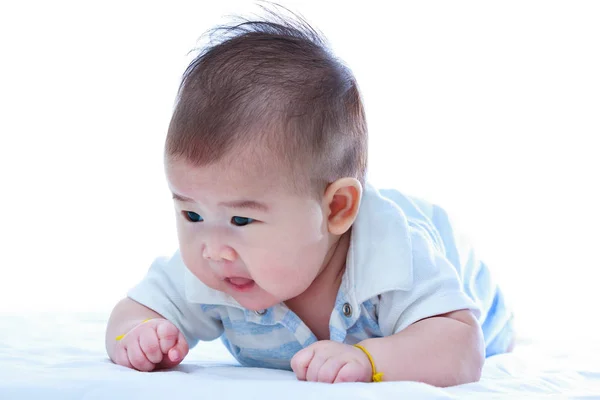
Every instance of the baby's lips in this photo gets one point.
(239, 281)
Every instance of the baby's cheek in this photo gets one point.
(188, 256)
(283, 282)
(198, 267)
(285, 270)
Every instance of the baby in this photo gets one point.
(286, 252)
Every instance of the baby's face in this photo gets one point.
(242, 233)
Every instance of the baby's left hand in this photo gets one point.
(332, 362)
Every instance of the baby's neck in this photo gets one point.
(333, 269)
(315, 305)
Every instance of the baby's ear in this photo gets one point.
(342, 201)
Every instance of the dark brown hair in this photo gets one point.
(272, 86)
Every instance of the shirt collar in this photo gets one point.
(379, 256)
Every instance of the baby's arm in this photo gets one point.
(175, 324)
(125, 316)
(431, 332)
(443, 350)
(137, 337)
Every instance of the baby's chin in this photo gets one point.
(256, 303)
(255, 300)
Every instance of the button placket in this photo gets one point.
(261, 317)
(347, 310)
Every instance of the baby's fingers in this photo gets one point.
(176, 354)
(351, 372)
(301, 361)
(167, 335)
(329, 370)
(181, 349)
(150, 346)
(121, 357)
(137, 358)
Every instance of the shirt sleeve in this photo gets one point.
(163, 291)
(496, 317)
(436, 289)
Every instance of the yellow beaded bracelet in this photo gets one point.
(123, 335)
(377, 376)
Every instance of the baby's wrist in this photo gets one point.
(132, 326)
(376, 376)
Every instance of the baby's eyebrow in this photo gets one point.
(240, 204)
(182, 198)
(246, 204)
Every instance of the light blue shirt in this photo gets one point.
(405, 263)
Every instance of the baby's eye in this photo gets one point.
(241, 221)
(192, 216)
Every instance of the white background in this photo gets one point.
(488, 109)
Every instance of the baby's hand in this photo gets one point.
(332, 362)
(154, 344)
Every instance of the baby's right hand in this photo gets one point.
(154, 344)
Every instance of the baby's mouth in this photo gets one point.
(240, 284)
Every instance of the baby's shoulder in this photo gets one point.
(412, 206)
(420, 215)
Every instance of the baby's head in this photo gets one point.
(266, 156)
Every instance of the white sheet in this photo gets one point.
(61, 356)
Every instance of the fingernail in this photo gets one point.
(174, 355)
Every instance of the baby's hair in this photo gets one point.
(271, 87)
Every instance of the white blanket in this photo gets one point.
(61, 356)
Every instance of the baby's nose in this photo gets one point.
(219, 253)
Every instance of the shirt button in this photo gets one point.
(347, 310)
(260, 312)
